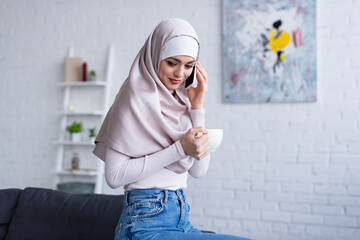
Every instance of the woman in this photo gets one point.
(153, 136)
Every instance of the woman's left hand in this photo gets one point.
(197, 95)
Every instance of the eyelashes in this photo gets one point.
(173, 64)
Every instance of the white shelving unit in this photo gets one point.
(96, 174)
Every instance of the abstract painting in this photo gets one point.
(269, 51)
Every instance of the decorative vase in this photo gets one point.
(75, 161)
(76, 137)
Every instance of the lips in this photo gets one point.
(174, 81)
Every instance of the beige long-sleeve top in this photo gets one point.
(149, 171)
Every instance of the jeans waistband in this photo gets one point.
(163, 194)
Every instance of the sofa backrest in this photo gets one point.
(8, 201)
(51, 214)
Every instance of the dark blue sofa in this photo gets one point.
(36, 213)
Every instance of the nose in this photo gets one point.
(179, 72)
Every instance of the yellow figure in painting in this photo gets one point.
(278, 42)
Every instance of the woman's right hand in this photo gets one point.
(195, 143)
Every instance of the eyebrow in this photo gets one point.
(177, 60)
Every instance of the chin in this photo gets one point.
(173, 87)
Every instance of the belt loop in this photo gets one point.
(184, 196)
(166, 195)
(126, 197)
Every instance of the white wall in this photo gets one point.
(284, 171)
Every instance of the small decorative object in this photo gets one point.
(70, 108)
(92, 134)
(75, 130)
(75, 162)
(84, 71)
(92, 75)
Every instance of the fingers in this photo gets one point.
(204, 155)
(201, 72)
(203, 140)
(202, 145)
(201, 75)
(196, 146)
(200, 136)
(198, 132)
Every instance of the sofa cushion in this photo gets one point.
(51, 214)
(8, 201)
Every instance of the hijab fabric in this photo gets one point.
(145, 117)
(181, 45)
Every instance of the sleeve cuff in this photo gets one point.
(180, 150)
(197, 117)
(197, 111)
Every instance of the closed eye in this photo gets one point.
(171, 64)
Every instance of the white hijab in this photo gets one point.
(145, 118)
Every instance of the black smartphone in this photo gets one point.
(190, 79)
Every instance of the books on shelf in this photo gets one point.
(73, 69)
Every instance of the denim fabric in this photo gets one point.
(159, 214)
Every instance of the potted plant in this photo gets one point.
(92, 75)
(92, 135)
(75, 130)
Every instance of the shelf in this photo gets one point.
(86, 114)
(80, 172)
(83, 143)
(81, 84)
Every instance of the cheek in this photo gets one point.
(188, 73)
(163, 70)
(166, 72)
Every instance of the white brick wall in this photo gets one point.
(284, 171)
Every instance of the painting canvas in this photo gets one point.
(269, 51)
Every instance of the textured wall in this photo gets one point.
(284, 171)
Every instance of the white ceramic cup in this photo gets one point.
(215, 136)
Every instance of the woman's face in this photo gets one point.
(175, 70)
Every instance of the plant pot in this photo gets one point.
(76, 137)
(93, 78)
(92, 139)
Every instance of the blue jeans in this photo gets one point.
(159, 214)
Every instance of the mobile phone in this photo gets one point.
(191, 80)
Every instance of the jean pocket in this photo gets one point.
(146, 208)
